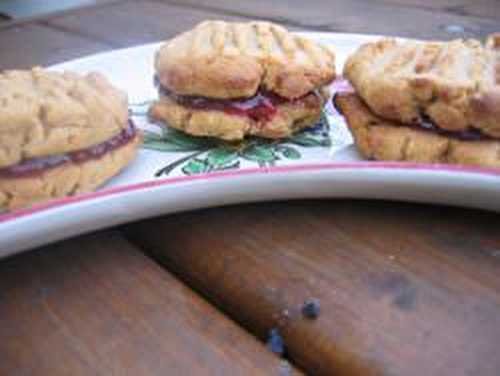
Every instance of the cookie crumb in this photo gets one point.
(311, 308)
(275, 342)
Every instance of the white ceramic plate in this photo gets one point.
(199, 173)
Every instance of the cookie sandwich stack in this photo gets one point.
(433, 102)
(230, 80)
(60, 134)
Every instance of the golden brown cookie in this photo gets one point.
(386, 140)
(290, 117)
(47, 113)
(220, 59)
(60, 134)
(454, 84)
(230, 80)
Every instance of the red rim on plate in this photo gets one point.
(244, 172)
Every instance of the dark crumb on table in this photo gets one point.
(275, 342)
(311, 308)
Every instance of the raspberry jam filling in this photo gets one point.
(34, 166)
(261, 107)
(428, 125)
(470, 134)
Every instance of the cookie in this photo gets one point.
(232, 80)
(60, 134)
(387, 140)
(455, 85)
(220, 59)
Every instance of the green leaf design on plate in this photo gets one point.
(178, 162)
(221, 156)
(151, 136)
(163, 146)
(289, 152)
(309, 140)
(317, 136)
(262, 154)
(205, 154)
(235, 165)
(174, 141)
(196, 166)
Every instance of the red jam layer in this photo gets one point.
(470, 134)
(261, 107)
(428, 125)
(35, 166)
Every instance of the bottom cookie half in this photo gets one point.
(66, 179)
(386, 140)
(289, 118)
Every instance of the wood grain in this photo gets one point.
(404, 289)
(487, 9)
(482, 8)
(31, 44)
(112, 24)
(95, 305)
(152, 22)
(361, 16)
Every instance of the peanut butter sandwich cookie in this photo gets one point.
(229, 80)
(60, 134)
(425, 102)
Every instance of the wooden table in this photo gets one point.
(404, 289)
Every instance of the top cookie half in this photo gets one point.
(44, 113)
(454, 84)
(218, 59)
